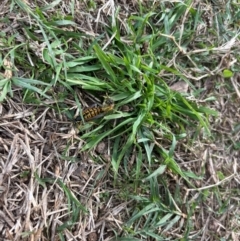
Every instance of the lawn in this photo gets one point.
(119, 120)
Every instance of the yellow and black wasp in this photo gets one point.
(95, 111)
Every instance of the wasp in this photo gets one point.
(96, 111)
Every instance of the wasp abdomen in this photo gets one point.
(96, 111)
(92, 112)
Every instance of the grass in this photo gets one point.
(162, 165)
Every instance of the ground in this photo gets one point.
(162, 163)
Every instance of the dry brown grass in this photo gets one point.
(34, 147)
